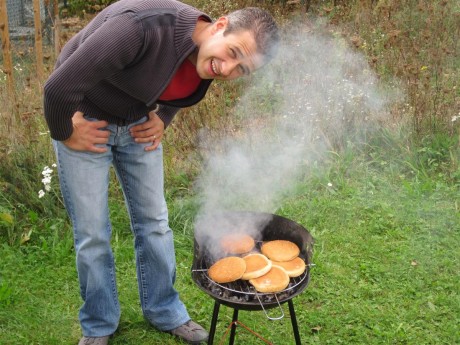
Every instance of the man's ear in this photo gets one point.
(220, 24)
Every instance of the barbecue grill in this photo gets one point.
(241, 295)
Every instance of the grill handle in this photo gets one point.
(265, 311)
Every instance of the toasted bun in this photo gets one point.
(256, 265)
(275, 280)
(280, 250)
(237, 243)
(294, 268)
(228, 269)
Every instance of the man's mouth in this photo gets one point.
(214, 67)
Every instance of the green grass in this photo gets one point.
(386, 255)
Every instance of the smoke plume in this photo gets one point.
(316, 95)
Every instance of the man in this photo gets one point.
(116, 86)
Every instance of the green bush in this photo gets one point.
(77, 7)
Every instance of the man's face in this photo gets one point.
(227, 57)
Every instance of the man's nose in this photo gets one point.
(228, 67)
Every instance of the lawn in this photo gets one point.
(386, 255)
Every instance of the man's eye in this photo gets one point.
(233, 53)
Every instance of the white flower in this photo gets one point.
(47, 171)
(46, 180)
(329, 184)
(455, 118)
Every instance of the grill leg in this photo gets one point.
(233, 330)
(294, 322)
(212, 330)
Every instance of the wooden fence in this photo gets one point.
(7, 69)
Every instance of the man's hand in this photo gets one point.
(86, 134)
(150, 131)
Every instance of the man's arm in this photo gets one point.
(107, 50)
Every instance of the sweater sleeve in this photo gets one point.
(166, 113)
(108, 49)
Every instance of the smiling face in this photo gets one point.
(226, 57)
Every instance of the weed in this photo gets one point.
(6, 293)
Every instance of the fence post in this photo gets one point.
(57, 28)
(7, 60)
(38, 39)
(48, 20)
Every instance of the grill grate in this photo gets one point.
(241, 294)
(243, 286)
(241, 291)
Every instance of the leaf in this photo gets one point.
(431, 306)
(7, 218)
(25, 237)
(316, 329)
(33, 216)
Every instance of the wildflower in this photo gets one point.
(46, 180)
(455, 118)
(329, 184)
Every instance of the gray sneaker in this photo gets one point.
(191, 333)
(94, 341)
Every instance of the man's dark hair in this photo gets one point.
(261, 24)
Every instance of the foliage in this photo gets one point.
(414, 41)
(78, 7)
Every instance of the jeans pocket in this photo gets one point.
(138, 122)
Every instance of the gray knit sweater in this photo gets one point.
(120, 63)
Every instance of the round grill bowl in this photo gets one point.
(241, 294)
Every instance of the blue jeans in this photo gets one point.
(84, 180)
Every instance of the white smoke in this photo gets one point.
(316, 95)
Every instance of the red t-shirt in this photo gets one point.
(183, 84)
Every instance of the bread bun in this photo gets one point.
(237, 244)
(294, 268)
(256, 265)
(275, 280)
(280, 250)
(228, 269)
